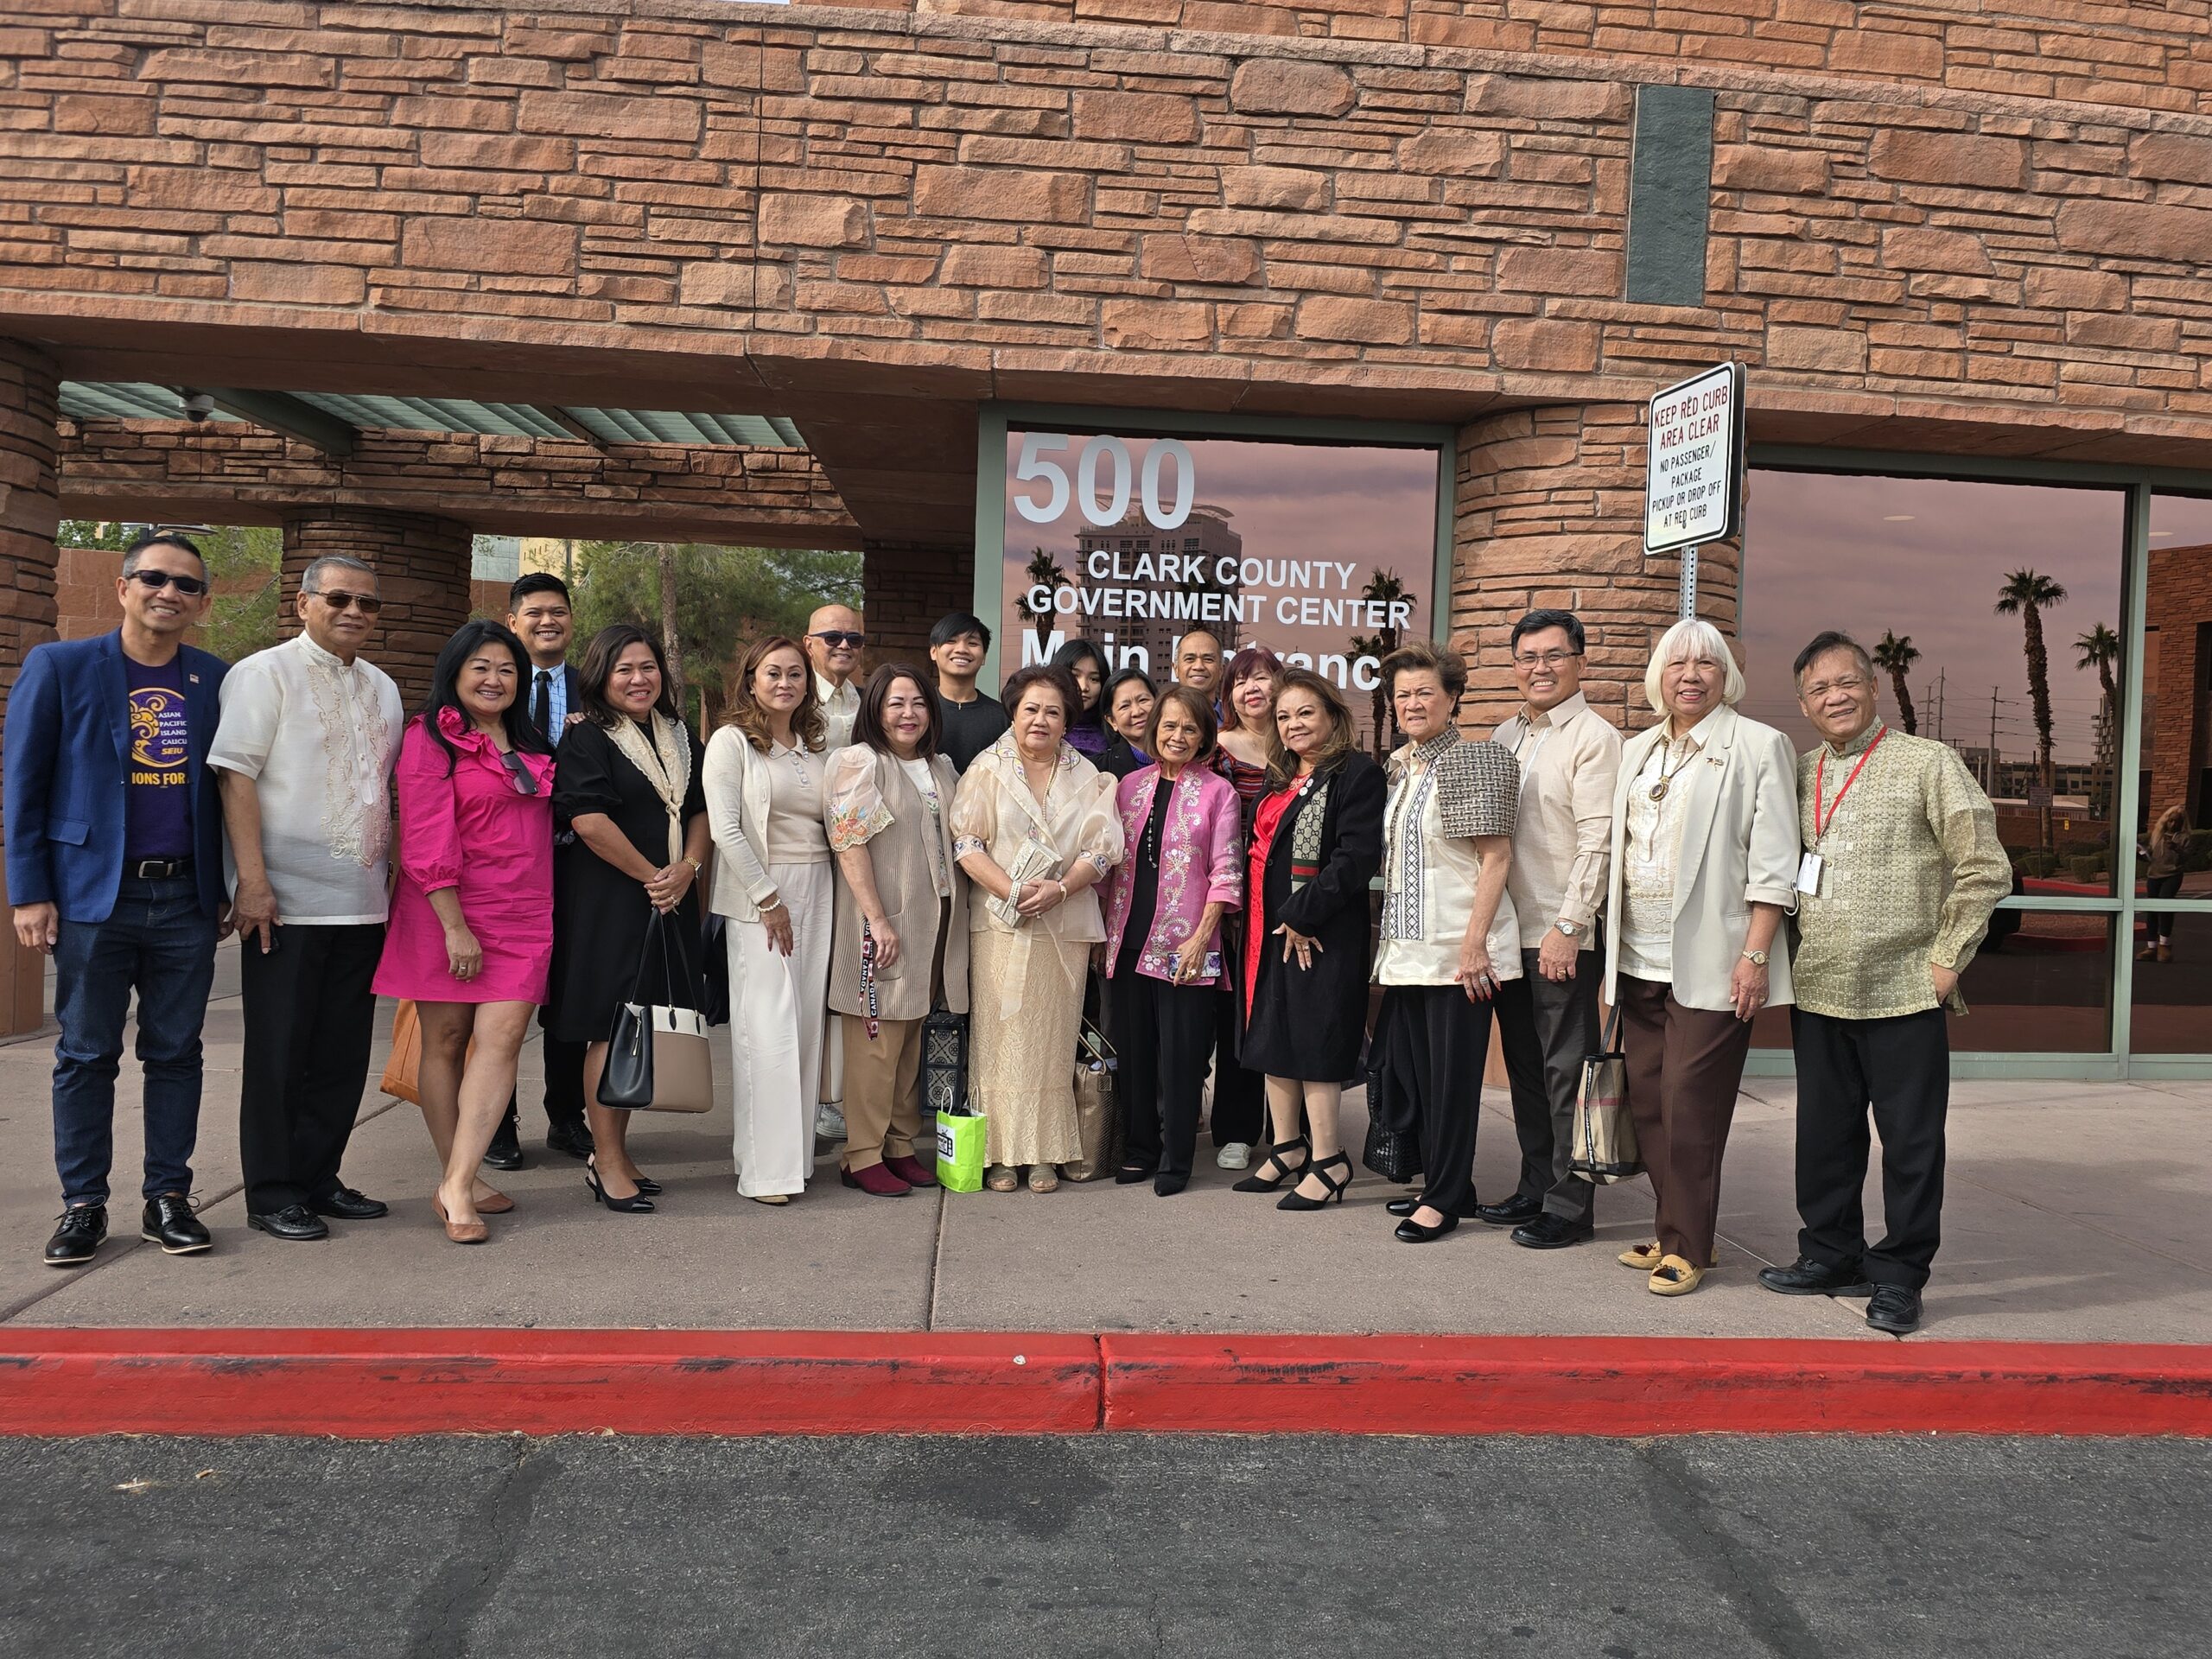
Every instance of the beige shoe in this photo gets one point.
(1002, 1179)
(1673, 1276)
(770, 1197)
(1642, 1257)
(1042, 1179)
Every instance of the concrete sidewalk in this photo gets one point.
(2076, 1214)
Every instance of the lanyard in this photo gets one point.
(1819, 778)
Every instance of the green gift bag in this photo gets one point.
(960, 1151)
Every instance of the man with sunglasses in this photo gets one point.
(833, 639)
(115, 869)
(305, 752)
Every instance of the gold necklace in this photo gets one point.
(1666, 777)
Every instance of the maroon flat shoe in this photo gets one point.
(913, 1171)
(877, 1180)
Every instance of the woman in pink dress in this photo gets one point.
(471, 935)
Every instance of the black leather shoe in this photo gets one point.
(347, 1205)
(569, 1139)
(1806, 1277)
(293, 1221)
(505, 1152)
(1894, 1309)
(1402, 1206)
(78, 1239)
(1509, 1212)
(170, 1224)
(1167, 1186)
(1550, 1232)
(1410, 1231)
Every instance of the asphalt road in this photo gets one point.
(1803, 1548)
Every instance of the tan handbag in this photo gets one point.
(403, 1069)
(1604, 1130)
(657, 1054)
(1097, 1107)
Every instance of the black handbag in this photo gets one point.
(656, 1051)
(1393, 1149)
(944, 1062)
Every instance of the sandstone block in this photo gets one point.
(2176, 156)
(995, 268)
(1548, 345)
(501, 245)
(1286, 86)
(1547, 100)
(1138, 117)
(1770, 168)
(1587, 272)
(2136, 230)
(1965, 161)
(1156, 325)
(1917, 248)
(1454, 152)
(1832, 351)
(302, 284)
(1367, 322)
(638, 116)
(1003, 193)
(1291, 188)
(814, 221)
(1198, 259)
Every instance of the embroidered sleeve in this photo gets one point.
(974, 811)
(1098, 831)
(1478, 790)
(853, 807)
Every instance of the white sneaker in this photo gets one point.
(1234, 1155)
(829, 1122)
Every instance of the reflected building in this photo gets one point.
(1162, 583)
(2176, 684)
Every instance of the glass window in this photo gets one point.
(2171, 1011)
(2174, 760)
(2040, 983)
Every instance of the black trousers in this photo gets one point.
(1161, 1033)
(1901, 1068)
(1444, 1040)
(1546, 1030)
(310, 1015)
(1240, 1097)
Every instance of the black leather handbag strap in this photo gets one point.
(670, 937)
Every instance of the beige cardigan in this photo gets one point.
(1739, 848)
(734, 778)
(868, 802)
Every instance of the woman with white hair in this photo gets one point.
(1704, 865)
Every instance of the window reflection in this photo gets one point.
(2174, 762)
(2173, 984)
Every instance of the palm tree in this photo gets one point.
(1043, 571)
(1383, 588)
(1898, 656)
(2027, 595)
(2100, 649)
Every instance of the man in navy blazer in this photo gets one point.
(114, 865)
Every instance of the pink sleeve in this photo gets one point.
(1225, 858)
(429, 831)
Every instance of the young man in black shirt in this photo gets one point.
(972, 721)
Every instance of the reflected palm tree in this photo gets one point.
(1896, 657)
(1042, 571)
(2100, 649)
(1383, 588)
(2027, 595)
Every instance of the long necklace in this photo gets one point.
(1666, 776)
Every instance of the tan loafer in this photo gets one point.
(769, 1198)
(1675, 1276)
(1642, 1257)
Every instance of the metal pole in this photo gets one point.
(1687, 608)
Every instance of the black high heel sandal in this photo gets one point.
(648, 1186)
(636, 1205)
(1319, 1171)
(1258, 1183)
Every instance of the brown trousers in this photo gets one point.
(883, 1090)
(1684, 1067)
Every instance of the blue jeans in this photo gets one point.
(161, 944)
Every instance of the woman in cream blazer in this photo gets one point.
(1704, 868)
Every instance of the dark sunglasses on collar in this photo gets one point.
(190, 586)
(840, 639)
(519, 774)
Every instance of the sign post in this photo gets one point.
(1694, 469)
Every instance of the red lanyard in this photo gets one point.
(1819, 778)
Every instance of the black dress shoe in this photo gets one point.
(170, 1224)
(1806, 1277)
(1550, 1231)
(293, 1221)
(1410, 1231)
(1894, 1309)
(1402, 1206)
(78, 1239)
(1166, 1185)
(504, 1152)
(1509, 1212)
(347, 1205)
(569, 1139)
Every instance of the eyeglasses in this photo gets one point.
(519, 774)
(369, 604)
(1542, 659)
(1819, 689)
(155, 580)
(841, 638)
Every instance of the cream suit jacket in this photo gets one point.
(1739, 848)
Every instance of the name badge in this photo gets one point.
(1808, 874)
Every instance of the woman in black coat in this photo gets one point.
(1316, 845)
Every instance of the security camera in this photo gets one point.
(199, 405)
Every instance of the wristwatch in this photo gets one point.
(1756, 958)
(1566, 930)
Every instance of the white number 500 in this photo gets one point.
(1110, 456)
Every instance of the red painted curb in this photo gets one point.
(380, 1384)
(1624, 1386)
(383, 1384)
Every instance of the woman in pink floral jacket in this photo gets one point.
(1164, 905)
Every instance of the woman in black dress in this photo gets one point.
(627, 782)
(1316, 844)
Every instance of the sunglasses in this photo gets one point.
(190, 586)
(519, 774)
(368, 604)
(839, 640)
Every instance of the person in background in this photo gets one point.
(471, 938)
(115, 869)
(2165, 853)
(1248, 737)
(1182, 872)
(1448, 934)
(835, 638)
(1030, 790)
(969, 721)
(310, 734)
(1088, 735)
(1901, 871)
(1197, 663)
(889, 805)
(774, 884)
(1128, 698)
(628, 787)
(1570, 760)
(1704, 863)
(1316, 844)
(539, 614)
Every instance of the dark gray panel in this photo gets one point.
(1670, 195)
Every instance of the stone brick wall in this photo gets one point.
(2178, 605)
(28, 520)
(905, 589)
(421, 566)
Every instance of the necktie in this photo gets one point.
(541, 703)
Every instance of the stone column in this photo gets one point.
(1548, 513)
(29, 386)
(423, 567)
(905, 587)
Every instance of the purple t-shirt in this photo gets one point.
(158, 805)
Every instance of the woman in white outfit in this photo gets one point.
(774, 882)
